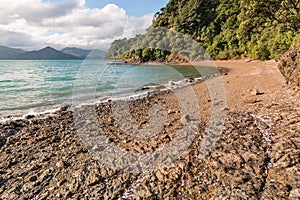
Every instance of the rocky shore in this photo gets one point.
(256, 155)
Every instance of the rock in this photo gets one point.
(60, 164)
(45, 175)
(249, 99)
(187, 119)
(44, 195)
(254, 92)
(191, 80)
(172, 83)
(277, 118)
(33, 178)
(64, 108)
(27, 187)
(93, 180)
(159, 176)
(249, 159)
(29, 116)
(171, 112)
(289, 66)
(181, 164)
(295, 194)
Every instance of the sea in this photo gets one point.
(36, 86)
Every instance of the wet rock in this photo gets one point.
(64, 108)
(29, 116)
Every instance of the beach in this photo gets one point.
(254, 156)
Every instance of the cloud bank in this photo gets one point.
(33, 24)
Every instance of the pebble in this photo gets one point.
(249, 99)
(159, 176)
(181, 164)
(254, 92)
(29, 116)
(60, 164)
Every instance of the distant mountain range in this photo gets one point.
(79, 53)
(8, 53)
(49, 53)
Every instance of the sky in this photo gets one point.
(88, 24)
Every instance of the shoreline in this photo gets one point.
(259, 139)
(221, 65)
(245, 60)
(140, 92)
(143, 92)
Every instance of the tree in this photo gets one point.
(261, 29)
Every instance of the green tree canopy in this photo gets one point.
(260, 29)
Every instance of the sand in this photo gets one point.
(246, 144)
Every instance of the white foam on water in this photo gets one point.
(32, 112)
(132, 95)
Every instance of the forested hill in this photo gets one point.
(258, 29)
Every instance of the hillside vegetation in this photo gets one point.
(227, 29)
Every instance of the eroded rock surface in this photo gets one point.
(256, 157)
(290, 67)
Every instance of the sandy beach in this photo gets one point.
(255, 156)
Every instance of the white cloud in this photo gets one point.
(16, 39)
(33, 24)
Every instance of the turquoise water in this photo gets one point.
(36, 86)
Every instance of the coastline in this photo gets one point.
(150, 63)
(261, 127)
(140, 92)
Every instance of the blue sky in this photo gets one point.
(136, 8)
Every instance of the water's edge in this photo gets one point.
(125, 97)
